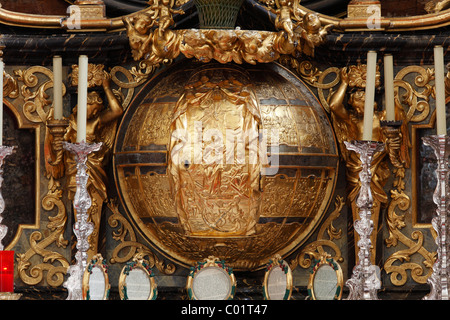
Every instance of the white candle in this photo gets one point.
(82, 98)
(441, 122)
(389, 87)
(57, 88)
(2, 67)
(370, 95)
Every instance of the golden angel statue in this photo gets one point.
(151, 44)
(100, 127)
(348, 125)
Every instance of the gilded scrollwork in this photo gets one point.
(413, 89)
(36, 82)
(53, 262)
(414, 96)
(315, 250)
(319, 79)
(129, 246)
(37, 109)
(37, 103)
(133, 78)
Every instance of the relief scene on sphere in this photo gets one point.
(225, 161)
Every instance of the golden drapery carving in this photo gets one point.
(175, 219)
(214, 196)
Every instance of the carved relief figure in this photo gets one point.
(164, 12)
(214, 165)
(138, 28)
(160, 43)
(313, 34)
(100, 127)
(284, 13)
(348, 125)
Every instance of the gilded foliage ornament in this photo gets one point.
(151, 39)
(413, 90)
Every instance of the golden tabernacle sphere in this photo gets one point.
(221, 160)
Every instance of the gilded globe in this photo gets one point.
(237, 162)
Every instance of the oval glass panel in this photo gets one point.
(97, 284)
(138, 285)
(212, 283)
(325, 283)
(276, 283)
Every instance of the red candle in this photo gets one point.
(6, 271)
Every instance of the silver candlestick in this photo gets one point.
(82, 227)
(364, 281)
(4, 152)
(439, 279)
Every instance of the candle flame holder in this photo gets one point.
(4, 152)
(82, 227)
(57, 129)
(439, 279)
(364, 281)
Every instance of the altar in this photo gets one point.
(224, 150)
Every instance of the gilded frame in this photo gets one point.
(137, 263)
(96, 262)
(210, 262)
(339, 276)
(277, 262)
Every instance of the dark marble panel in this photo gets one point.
(18, 188)
(407, 47)
(39, 49)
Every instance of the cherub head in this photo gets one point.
(94, 105)
(311, 22)
(142, 23)
(357, 101)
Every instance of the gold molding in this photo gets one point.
(420, 22)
